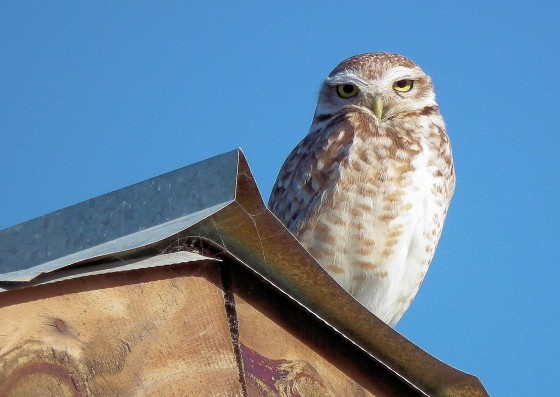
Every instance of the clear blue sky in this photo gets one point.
(95, 96)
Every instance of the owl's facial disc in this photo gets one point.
(381, 91)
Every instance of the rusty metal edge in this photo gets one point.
(253, 235)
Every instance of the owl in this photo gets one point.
(366, 192)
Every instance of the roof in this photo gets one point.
(216, 200)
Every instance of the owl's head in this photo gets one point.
(381, 84)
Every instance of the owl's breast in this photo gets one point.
(376, 227)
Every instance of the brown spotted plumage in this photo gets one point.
(367, 190)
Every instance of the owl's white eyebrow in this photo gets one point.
(350, 76)
(400, 73)
(345, 77)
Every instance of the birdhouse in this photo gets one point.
(186, 285)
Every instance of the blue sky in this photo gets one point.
(95, 96)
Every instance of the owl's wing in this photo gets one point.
(309, 171)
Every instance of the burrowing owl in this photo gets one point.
(367, 190)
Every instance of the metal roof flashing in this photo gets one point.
(120, 221)
(215, 200)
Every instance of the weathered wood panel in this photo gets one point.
(150, 332)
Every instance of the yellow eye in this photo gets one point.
(346, 90)
(403, 85)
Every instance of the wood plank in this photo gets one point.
(150, 332)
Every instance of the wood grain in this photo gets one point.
(150, 332)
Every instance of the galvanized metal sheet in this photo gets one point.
(125, 219)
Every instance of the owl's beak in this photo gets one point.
(378, 106)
